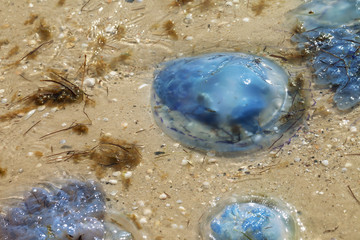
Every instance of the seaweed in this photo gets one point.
(63, 92)
(116, 154)
(3, 172)
(169, 27)
(78, 128)
(258, 7)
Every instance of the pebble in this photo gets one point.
(348, 164)
(127, 174)
(163, 196)
(62, 141)
(116, 174)
(325, 163)
(297, 159)
(343, 170)
(353, 129)
(181, 208)
(110, 29)
(184, 162)
(147, 211)
(4, 100)
(2, 91)
(206, 185)
(113, 193)
(142, 220)
(38, 165)
(29, 114)
(113, 73)
(41, 108)
(113, 181)
(188, 19)
(141, 203)
(20, 170)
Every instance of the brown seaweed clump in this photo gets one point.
(258, 7)
(61, 93)
(169, 27)
(110, 153)
(116, 154)
(2, 172)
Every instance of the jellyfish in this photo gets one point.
(327, 13)
(224, 102)
(75, 210)
(250, 217)
(330, 35)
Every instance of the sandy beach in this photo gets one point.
(111, 49)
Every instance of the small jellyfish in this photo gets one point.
(331, 37)
(327, 13)
(76, 210)
(250, 217)
(224, 102)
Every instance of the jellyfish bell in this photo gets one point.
(326, 13)
(223, 102)
(254, 217)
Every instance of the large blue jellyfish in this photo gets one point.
(74, 211)
(331, 36)
(250, 217)
(223, 102)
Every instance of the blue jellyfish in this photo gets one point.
(327, 13)
(74, 211)
(250, 217)
(222, 102)
(331, 36)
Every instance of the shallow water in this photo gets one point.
(323, 191)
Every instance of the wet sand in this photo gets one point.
(123, 43)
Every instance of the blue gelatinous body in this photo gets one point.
(327, 13)
(332, 38)
(74, 211)
(225, 102)
(336, 60)
(251, 217)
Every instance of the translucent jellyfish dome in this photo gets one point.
(250, 217)
(327, 13)
(223, 102)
